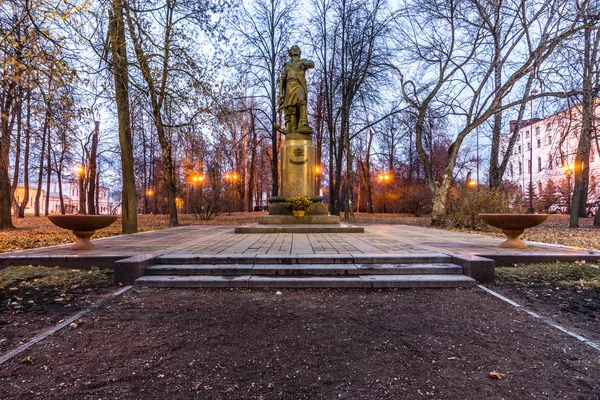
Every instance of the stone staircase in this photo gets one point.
(310, 271)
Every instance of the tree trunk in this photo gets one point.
(25, 200)
(5, 131)
(582, 169)
(15, 181)
(60, 194)
(45, 133)
(91, 196)
(48, 177)
(119, 64)
(252, 166)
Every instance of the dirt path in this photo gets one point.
(305, 344)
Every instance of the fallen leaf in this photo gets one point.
(73, 325)
(27, 360)
(496, 375)
(197, 386)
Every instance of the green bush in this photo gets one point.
(465, 203)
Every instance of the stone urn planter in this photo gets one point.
(513, 226)
(83, 227)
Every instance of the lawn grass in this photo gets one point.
(564, 275)
(47, 277)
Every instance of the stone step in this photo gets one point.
(291, 259)
(359, 281)
(304, 269)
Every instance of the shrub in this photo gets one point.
(465, 203)
(416, 199)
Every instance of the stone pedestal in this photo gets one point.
(298, 168)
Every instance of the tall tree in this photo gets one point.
(119, 68)
(591, 40)
(267, 28)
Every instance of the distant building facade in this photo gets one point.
(545, 150)
(70, 194)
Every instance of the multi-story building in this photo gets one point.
(545, 151)
(70, 194)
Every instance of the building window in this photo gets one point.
(520, 168)
(537, 131)
(526, 134)
(550, 166)
(539, 164)
(528, 146)
(529, 167)
(549, 139)
(519, 150)
(510, 168)
(547, 126)
(539, 143)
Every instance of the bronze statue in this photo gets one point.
(293, 93)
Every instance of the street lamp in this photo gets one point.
(80, 171)
(195, 181)
(569, 169)
(384, 179)
(229, 178)
(317, 177)
(149, 193)
(531, 210)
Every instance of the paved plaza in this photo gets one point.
(379, 243)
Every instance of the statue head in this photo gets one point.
(294, 50)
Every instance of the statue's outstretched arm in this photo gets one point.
(308, 64)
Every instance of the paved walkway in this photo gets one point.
(377, 240)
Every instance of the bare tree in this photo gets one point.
(590, 81)
(442, 39)
(267, 28)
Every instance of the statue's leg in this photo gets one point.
(303, 120)
(303, 126)
(293, 119)
(287, 119)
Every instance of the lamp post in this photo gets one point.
(384, 179)
(229, 178)
(197, 180)
(80, 171)
(569, 169)
(530, 209)
(317, 177)
(149, 193)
